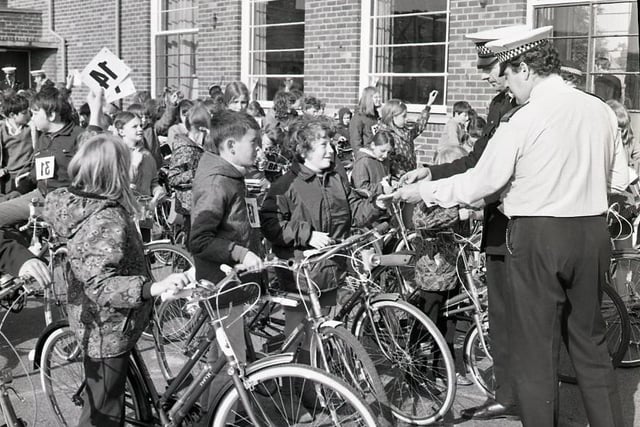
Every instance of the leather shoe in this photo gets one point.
(491, 410)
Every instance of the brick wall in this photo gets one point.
(135, 41)
(464, 82)
(332, 52)
(88, 26)
(218, 53)
(21, 26)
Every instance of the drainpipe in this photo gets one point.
(61, 39)
(117, 52)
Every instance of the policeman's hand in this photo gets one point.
(383, 201)
(415, 176)
(319, 240)
(387, 188)
(171, 284)
(250, 262)
(409, 193)
(36, 269)
(3, 172)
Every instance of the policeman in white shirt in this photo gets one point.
(554, 158)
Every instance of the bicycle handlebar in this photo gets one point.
(315, 255)
(15, 284)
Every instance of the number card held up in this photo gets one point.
(105, 71)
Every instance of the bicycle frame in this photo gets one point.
(195, 387)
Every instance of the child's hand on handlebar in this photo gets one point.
(250, 262)
(320, 240)
(172, 284)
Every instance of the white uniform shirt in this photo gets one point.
(554, 157)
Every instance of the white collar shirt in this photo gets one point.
(554, 157)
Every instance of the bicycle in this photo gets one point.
(46, 244)
(251, 398)
(417, 368)
(333, 347)
(472, 305)
(8, 289)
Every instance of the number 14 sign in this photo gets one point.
(105, 71)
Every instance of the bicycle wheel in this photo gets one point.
(617, 323)
(180, 327)
(414, 361)
(166, 258)
(292, 394)
(346, 358)
(62, 379)
(625, 278)
(55, 296)
(478, 361)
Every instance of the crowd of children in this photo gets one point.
(93, 166)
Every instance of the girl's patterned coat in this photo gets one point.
(106, 271)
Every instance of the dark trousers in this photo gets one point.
(497, 290)
(104, 391)
(555, 268)
(431, 303)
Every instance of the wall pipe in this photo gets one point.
(117, 52)
(62, 41)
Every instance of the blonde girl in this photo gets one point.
(110, 291)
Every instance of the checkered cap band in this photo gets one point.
(484, 51)
(512, 53)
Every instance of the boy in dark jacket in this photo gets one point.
(56, 145)
(220, 227)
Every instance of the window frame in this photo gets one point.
(246, 50)
(366, 78)
(156, 30)
(532, 5)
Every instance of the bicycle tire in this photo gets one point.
(616, 318)
(175, 323)
(164, 259)
(628, 288)
(55, 295)
(349, 361)
(419, 361)
(61, 377)
(341, 401)
(478, 362)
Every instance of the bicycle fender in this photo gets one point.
(385, 297)
(43, 338)
(268, 361)
(330, 324)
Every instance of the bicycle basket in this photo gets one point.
(433, 217)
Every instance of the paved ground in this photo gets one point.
(23, 329)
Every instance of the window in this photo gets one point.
(600, 39)
(405, 48)
(273, 45)
(175, 42)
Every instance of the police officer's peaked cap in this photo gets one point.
(486, 56)
(508, 48)
(8, 70)
(35, 73)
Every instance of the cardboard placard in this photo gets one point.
(105, 71)
(124, 89)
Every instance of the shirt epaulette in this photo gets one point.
(511, 112)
